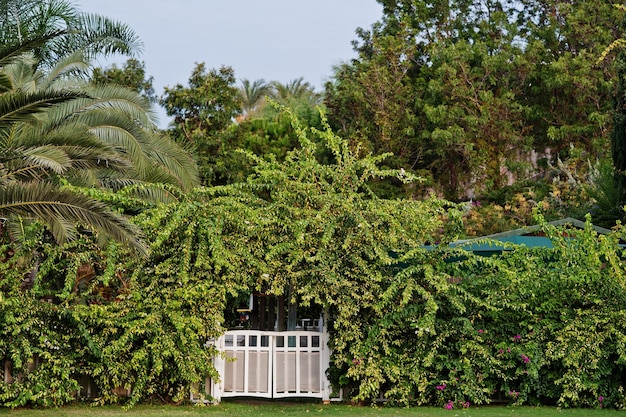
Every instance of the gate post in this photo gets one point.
(218, 364)
(325, 359)
(212, 386)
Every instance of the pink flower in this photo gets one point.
(481, 331)
(525, 358)
(441, 387)
(449, 405)
(600, 398)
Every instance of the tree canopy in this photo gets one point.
(477, 94)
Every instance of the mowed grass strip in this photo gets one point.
(239, 409)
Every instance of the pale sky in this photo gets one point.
(276, 40)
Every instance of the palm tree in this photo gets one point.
(124, 120)
(54, 126)
(296, 89)
(27, 186)
(92, 35)
(253, 96)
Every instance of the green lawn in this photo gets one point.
(232, 409)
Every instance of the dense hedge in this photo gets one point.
(531, 326)
(84, 318)
(446, 327)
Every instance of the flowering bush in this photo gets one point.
(531, 326)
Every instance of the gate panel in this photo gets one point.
(258, 376)
(247, 368)
(310, 372)
(285, 375)
(297, 365)
(234, 375)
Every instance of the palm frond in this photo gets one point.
(60, 208)
(99, 35)
(253, 94)
(175, 161)
(76, 141)
(5, 83)
(17, 106)
(144, 148)
(16, 228)
(11, 52)
(22, 20)
(78, 123)
(48, 158)
(73, 65)
(112, 98)
(153, 192)
(21, 75)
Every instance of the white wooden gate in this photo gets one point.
(272, 365)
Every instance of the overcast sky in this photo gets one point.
(279, 40)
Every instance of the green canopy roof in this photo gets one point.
(522, 236)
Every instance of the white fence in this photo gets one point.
(271, 365)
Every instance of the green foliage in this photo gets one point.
(475, 93)
(23, 21)
(202, 111)
(553, 329)
(530, 326)
(216, 120)
(87, 315)
(327, 235)
(373, 100)
(142, 325)
(131, 75)
(269, 136)
(618, 133)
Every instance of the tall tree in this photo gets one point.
(53, 126)
(481, 91)
(253, 96)
(132, 75)
(372, 100)
(297, 88)
(614, 210)
(298, 95)
(202, 111)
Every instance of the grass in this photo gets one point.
(261, 409)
